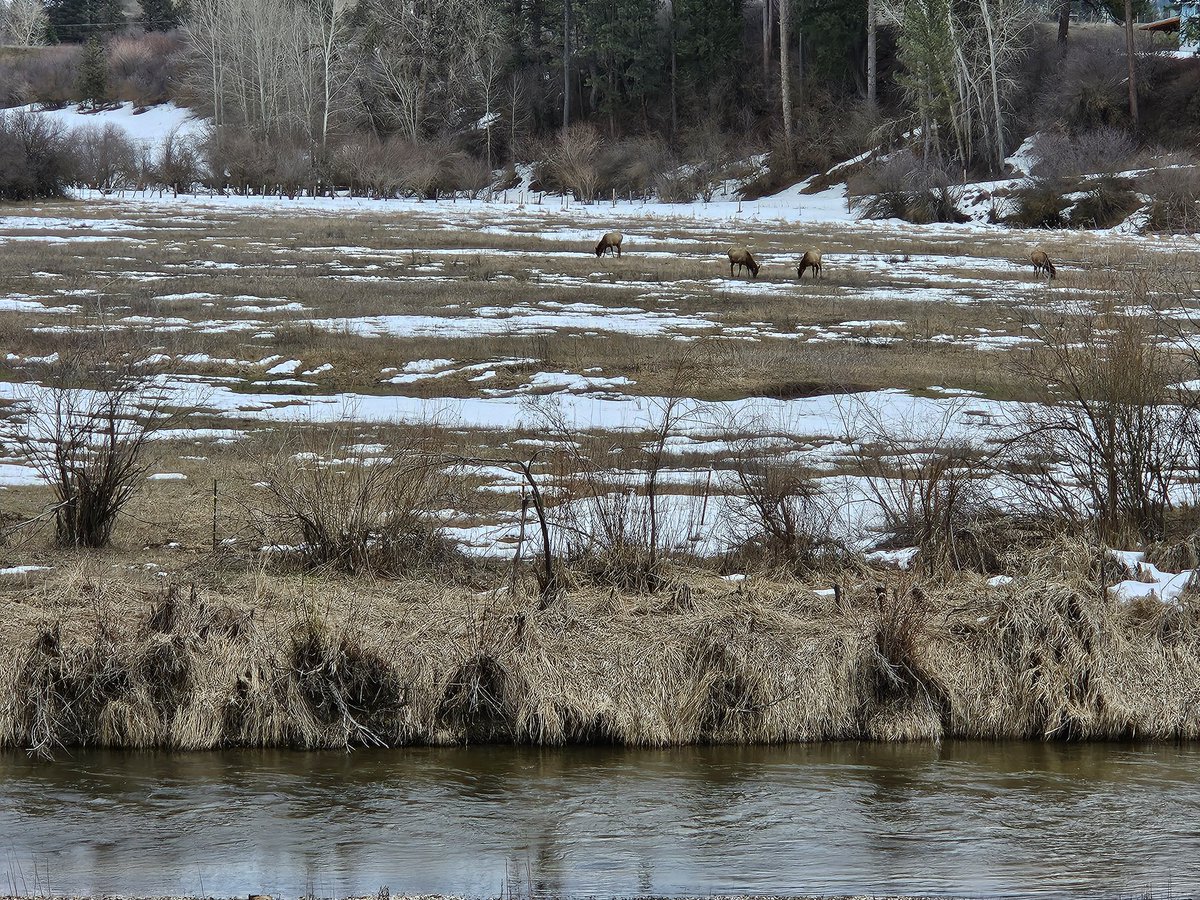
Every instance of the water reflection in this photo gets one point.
(956, 818)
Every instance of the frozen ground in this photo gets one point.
(495, 319)
(147, 126)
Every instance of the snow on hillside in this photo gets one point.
(148, 127)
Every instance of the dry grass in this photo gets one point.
(250, 659)
(437, 263)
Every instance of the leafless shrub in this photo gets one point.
(35, 159)
(786, 518)
(1109, 201)
(571, 161)
(1175, 204)
(926, 478)
(46, 76)
(1039, 203)
(177, 161)
(88, 432)
(143, 68)
(630, 168)
(679, 186)
(614, 522)
(104, 157)
(1104, 149)
(339, 504)
(907, 187)
(1088, 89)
(1107, 445)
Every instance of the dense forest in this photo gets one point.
(631, 96)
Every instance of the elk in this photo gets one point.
(1042, 263)
(742, 258)
(610, 242)
(810, 260)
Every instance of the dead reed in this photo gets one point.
(336, 662)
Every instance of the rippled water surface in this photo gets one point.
(963, 818)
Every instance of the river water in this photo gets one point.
(961, 818)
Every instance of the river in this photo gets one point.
(962, 818)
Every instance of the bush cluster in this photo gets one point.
(909, 187)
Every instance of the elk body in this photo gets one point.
(610, 242)
(742, 258)
(1042, 263)
(810, 260)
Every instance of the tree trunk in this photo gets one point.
(1064, 20)
(872, 55)
(993, 72)
(766, 40)
(785, 74)
(566, 63)
(1131, 59)
(674, 74)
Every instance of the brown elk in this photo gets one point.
(742, 258)
(1042, 263)
(810, 260)
(610, 242)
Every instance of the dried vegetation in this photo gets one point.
(281, 661)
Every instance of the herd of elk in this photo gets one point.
(742, 258)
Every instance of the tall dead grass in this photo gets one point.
(336, 663)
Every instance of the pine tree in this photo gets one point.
(621, 50)
(76, 21)
(708, 43)
(93, 74)
(158, 15)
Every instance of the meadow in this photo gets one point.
(728, 470)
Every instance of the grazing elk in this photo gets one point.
(810, 260)
(610, 242)
(742, 258)
(1042, 263)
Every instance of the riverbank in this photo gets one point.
(251, 659)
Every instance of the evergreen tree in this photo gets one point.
(159, 15)
(76, 21)
(834, 39)
(93, 74)
(621, 50)
(708, 46)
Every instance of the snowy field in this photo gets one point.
(496, 322)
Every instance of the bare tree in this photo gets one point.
(206, 30)
(23, 22)
(872, 52)
(961, 61)
(1131, 63)
(925, 477)
(785, 72)
(487, 57)
(418, 61)
(566, 64)
(331, 19)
